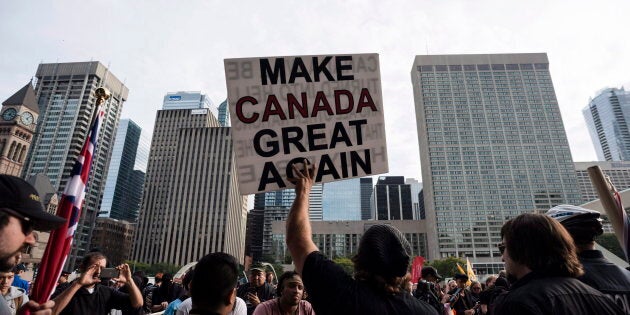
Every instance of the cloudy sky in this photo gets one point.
(161, 46)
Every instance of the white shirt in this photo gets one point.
(239, 308)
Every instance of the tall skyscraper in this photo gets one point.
(366, 198)
(224, 114)
(66, 98)
(607, 117)
(18, 119)
(284, 199)
(392, 199)
(315, 207)
(125, 177)
(254, 234)
(190, 204)
(274, 206)
(492, 146)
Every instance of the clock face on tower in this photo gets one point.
(9, 114)
(26, 118)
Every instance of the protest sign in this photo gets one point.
(327, 109)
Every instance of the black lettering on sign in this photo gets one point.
(312, 137)
(299, 71)
(326, 167)
(277, 74)
(270, 175)
(319, 68)
(278, 71)
(287, 139)
(273, 145)
(355, 160)
(343, 67)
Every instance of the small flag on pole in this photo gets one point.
(416, 268)
(60, 240)
(469, 272)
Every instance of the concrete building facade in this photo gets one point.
(341, 238)
(18, 120)
(492, 146)
(113, 238)
(190, 204)
(66, 98)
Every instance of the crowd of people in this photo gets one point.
(551, 267)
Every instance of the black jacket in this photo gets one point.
(606, 277)
(535, 294)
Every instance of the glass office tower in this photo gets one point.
(607, 116)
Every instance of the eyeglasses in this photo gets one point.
(27, 225)
(476, 288)
(501, 247)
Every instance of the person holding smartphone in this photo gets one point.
(257, 290)
(86, 295)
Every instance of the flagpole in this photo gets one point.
(60, 240)
(615, 212)
(102, 94)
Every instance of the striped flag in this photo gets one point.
(60, 240)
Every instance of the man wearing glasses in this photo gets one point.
(21, 212)
(542, 265)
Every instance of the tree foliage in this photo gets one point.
(447, 267)
(152, 269)
(345, 263)
(609, 241)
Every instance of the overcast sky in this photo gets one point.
(161, 46)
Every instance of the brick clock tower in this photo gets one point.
(18, 119)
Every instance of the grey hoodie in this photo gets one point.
(9, 298)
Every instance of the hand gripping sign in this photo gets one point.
(327, 109)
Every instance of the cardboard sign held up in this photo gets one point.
(327, 109)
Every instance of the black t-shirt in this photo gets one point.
(100, 302)
(333, 291)
(606, 277)
(538, 295)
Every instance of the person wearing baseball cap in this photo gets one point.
(21, 212)
(428, 289)
(380, 265)
(584, 225)
(257, 290)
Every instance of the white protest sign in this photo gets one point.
(327, 109)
